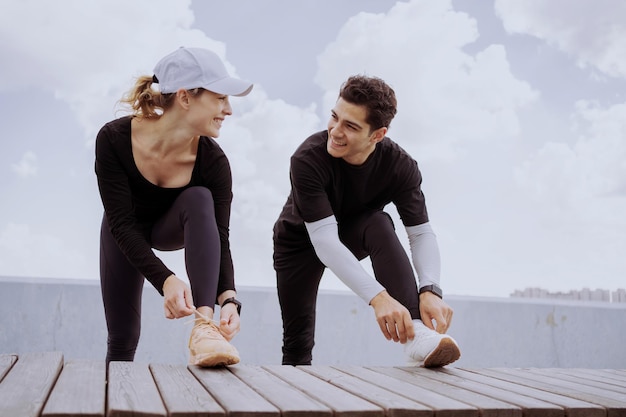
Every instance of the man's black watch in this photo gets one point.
(235, 302)
(432, 288)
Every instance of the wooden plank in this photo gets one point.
(132, 391)
(26, 387)
(39, 384)
(572, 406)
(618, 372)
(521, 377)
(235, 397)
(6, 362)
(581, 378)
(182, 394)
(579, 390)
(341, 402)
(377, 388)
(79, 391)
(531, 406)
(603, 375)
(440, 395)
(288, 399)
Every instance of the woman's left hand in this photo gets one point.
(229, 321)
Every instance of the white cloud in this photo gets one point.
(27, 166)
(88, 52)
(586, 180)
(448, 99)
(27, 253)
(259, 144)
(593, 32)
(576, 197)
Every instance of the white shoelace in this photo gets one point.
(203, 317)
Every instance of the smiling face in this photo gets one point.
(349, 135)
(207, 112)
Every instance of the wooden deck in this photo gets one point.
(44, 384)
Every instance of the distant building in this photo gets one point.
(586, 294)
(619, 296)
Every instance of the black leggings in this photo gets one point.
(190, 224)
(299, 271)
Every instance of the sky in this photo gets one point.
(515, 112)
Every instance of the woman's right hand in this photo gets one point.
(178, 299)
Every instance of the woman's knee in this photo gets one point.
(197, 201)
(122, 347)
(125, 340)
(197, 194)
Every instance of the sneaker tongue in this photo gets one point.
(208, 329)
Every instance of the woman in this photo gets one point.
(166, 184)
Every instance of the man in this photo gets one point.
(341, 179)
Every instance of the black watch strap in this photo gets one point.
(432, 288)
(235, 302)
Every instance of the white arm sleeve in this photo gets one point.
(324, 235)
(425, 253)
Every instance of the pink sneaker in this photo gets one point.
(208, 348)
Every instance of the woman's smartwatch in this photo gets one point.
(235, 302)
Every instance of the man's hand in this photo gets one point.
(178, 301)
(393, 318)
(434, 308)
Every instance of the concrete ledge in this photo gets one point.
(67, 316)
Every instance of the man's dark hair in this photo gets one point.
(378, 98)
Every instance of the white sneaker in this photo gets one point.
(430, 349)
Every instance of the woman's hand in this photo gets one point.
(229, 318)
(229, 321)
(178, 299)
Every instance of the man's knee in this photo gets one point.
(379, 232)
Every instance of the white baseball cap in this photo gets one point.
(190, 68)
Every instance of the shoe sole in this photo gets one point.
(210, 360)
(444, 354)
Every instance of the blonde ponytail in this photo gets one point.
(144, 101)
